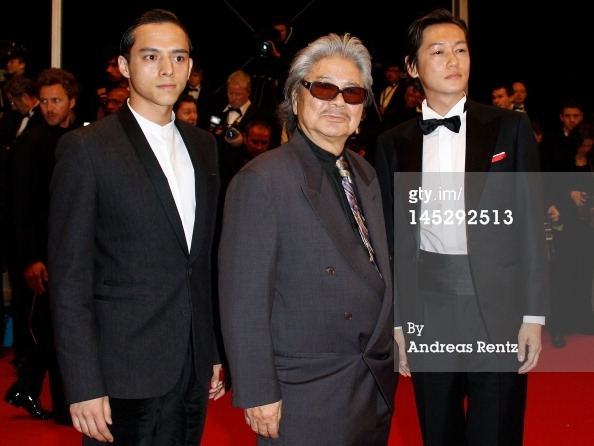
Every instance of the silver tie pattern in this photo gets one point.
(347, 184)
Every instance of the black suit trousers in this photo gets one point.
(473, 403)
(471, 409)
(176, 418)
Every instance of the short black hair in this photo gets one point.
(414, 34)
(152, 16)
(182, 98)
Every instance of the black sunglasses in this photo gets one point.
(326, 92)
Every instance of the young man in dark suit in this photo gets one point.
(133, 201)
(470, 268)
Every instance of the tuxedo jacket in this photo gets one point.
(129, 297)
(508, 262)
(32, 164)
(203, 104)
(306, 317)
(394, 107)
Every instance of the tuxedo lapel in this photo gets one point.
(482, 131)
(155, 173)
(408, 172)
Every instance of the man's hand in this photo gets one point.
(553, 213)
(36, 275)
(403, 367)
(264, 420)
(92, 417)
(529, 338)
(217, 383)
(578, 197)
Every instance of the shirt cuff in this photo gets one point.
(534, 320)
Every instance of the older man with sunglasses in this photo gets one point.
(308, 334)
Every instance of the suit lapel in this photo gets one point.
(154, 171)
(481, 137)
(409, 167)
(201, 190)
(324, 202)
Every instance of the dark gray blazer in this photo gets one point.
(128, 299)
(508, 262)
(305, 316)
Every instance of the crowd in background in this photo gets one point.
(37, 108)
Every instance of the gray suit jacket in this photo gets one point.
(306, 318)
(128, 298)
(508, 262)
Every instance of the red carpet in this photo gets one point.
(560, 408)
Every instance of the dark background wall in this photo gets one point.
(550, 49)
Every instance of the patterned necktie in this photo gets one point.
(347, 184)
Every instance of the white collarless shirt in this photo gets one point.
(174, 159)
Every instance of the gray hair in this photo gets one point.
(346, 46)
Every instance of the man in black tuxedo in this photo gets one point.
(470, 271)
(25, 114)
(229, 124)
(389, 95)
(32, 163)
(202, 95)
(133, 200)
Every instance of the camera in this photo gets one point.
(233, 137)
(215, 125)
(231, 133)
(265, 47)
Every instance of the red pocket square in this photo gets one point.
(499, 157)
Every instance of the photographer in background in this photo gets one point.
(277, 46)
(229, 124)
(572, 270)
(113, 78)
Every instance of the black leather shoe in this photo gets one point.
(558, 340)
(30, 403)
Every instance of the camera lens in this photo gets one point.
(230, 133)
(265, 47)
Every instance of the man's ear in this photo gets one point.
(294, 94)
(411, 69)
(123, 66)
(190, 68)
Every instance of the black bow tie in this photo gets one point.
(192, 89)
(428, 125)
(229, 110)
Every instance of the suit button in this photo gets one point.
(189, 271)
(348, 315)
(330, 270)
(391, 257)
